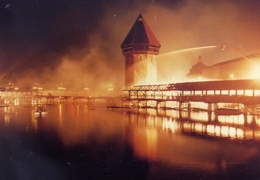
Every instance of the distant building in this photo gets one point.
(246, 67)
(140, 48)
(196, 70)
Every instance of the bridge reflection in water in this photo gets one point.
(215, 145)
(157, 143)
(236, 127)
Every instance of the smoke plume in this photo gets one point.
(78, 42)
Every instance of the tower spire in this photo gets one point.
(140, 33)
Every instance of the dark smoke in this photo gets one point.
(78, 42)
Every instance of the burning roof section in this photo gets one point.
(246, 84)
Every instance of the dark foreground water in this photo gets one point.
(73, 142)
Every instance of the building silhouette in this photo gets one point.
(140, 48)
(245, 67)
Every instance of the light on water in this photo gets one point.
(74, 142)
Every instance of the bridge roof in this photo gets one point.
(245, 84)
(155, 87)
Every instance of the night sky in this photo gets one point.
(77, 42)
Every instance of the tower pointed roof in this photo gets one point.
(140, 33)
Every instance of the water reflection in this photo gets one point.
(182, 144)
(147, 143)
(240, 127)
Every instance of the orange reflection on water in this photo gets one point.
(60, 115)
(199, 127)
(257, 119)
(7, 120)
(145, 142)
(78, 124)
(202, 116)
(232, 119)
(6, 109)
(34, 120)
(169, 124)
(225, 131)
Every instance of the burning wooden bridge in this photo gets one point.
(245, 93)
(242, 93)
(50, 99)
(37, 97)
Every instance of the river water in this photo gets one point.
(75, 142)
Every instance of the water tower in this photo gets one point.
(140, 48)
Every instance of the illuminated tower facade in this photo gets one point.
(140, 48)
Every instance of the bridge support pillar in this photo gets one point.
(189, 106)
(157, 104)
(245, 111)
(189, 110)
(209, 107)
(245, 119)
(180, 106)
(138, 104)
(215, 106)
(246, 108)
(209, 116)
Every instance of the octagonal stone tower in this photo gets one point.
(140, 48)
